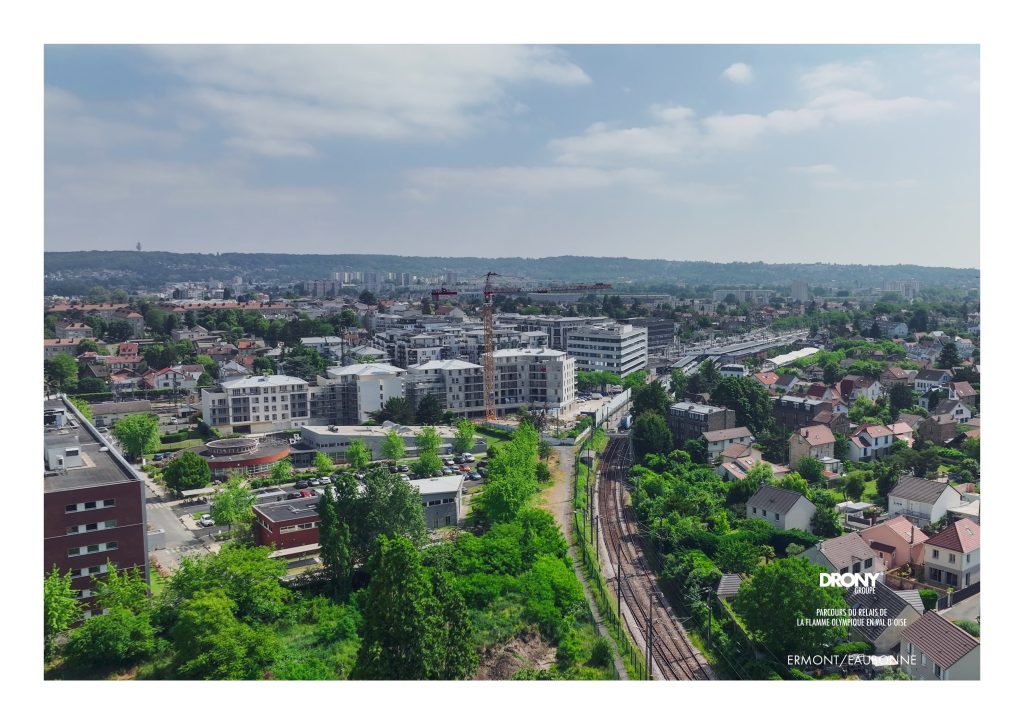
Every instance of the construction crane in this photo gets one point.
(490, 410)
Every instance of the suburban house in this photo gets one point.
(784, 509)
(793, 412)
(870, 442)
(952, 557)
(964, 392)
(954, 408)
(816, 441)
(930, 378)
(718, 440)
(739, 458)
(896, 376)
(970, 505)
(846, 554)
(64, 345)
(938, 429)
(897, 540)
(882, 631)
(934, 649)
(785, 383)
(72, 330)
(922, 501)
(903, 431)
(287, 523)
(768, 379)
(854, 386)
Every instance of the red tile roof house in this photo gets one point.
(815, 441)
(964, 392)
(718, 440)
(870, 442)
(768, 379)
(934, 649)
(897, 541)
(952, 557)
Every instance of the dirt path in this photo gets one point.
(559, 503)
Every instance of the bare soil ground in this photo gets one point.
(527, 649)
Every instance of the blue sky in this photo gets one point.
(845, 154)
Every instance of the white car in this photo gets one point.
(206, 520)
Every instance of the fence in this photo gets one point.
(632, 655)
(955, 597)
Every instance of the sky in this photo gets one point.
(774, 153)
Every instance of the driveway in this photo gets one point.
(181, 535)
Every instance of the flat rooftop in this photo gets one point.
(101, 467)
(433, 486)
(283, 511)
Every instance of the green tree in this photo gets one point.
(741, 490)
(211, 643)
(812, 470)
(126, 589)
(336, 537)
(61, 371)
(465, 436)
(264, 366)
(83, 407)
(831, 371)
(323, 463)
(232, 505)
(358, 455)
(399, 612)
(246, 575)
(512, 478)
(429, 411)
(706, 379)
(948, 357)
(650, 435)
(634, 380)
(427, 465)
(118, 638)
(398, 410)
(781, 594)
(187, 471)
(392, 447)
(751, 401)
(387, 505)
(853, 485)
(281, 472)
(650, 398)
(901, 398)
(87, 345)
(138, 434)
(60, 607)
(794, 481)
(735, 555)
(428, 440)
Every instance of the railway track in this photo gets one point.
(674, 656)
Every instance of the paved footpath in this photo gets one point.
(559, 503)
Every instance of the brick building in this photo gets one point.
(94, 503)
(287, 523)
(689, 420)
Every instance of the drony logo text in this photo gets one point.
(847, 580)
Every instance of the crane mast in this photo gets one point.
(490, 411)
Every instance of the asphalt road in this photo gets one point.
(179, 540)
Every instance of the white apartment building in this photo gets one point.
(350, 395)
(617, 348)
(257, 404)
(457, 384)
(535, 378)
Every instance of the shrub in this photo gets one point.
(853, 647)
(929, 598)
(601, 654)
(971, 627)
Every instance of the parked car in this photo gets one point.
(464, 468)
(405, 477)
(403, 468)
(206, 520)
(307, 494)
(481, 465)
(392, 468)
(301, 485)
(476, 476)
(292, 496)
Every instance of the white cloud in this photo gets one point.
(679, 135)
(277, 98)
(739, 73)
(817, 169)
(863, 75)
(545, 180)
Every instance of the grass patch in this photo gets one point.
(181, 445)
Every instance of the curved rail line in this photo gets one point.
(675, 656)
